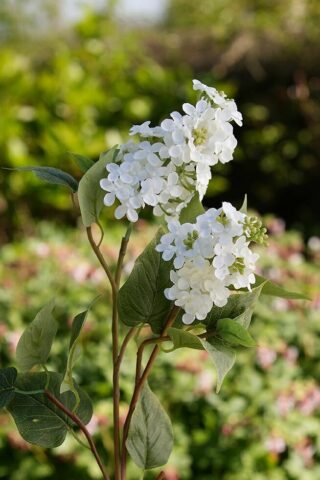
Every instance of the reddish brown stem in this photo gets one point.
(140, 381)
(82, 427)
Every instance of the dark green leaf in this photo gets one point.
(270, 288)
(181, 338)
(192, 210)
(234, 333)
(84, 163)
(150, 438)
(77, 324)
(222, 357)
(52, 175)
(90, 194)
(7, 381)
(239, 304)
(38, 420)
(76, 328)
(35, 343)
(141, 299)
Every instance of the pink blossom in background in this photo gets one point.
(12, 340)
(311, 401)
(93, 425)
(276, 226)
(205, 382)
(171, 473)
(306, 451)
(275, 444)
(291, 354)
(285, 403)
(265, 357)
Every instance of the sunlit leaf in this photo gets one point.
(141, 299)
(150, 438)
(234, 333)
(90, 194)
(35, 343)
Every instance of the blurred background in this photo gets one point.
(74, 76)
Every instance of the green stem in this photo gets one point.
(29, 392)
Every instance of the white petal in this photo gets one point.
(132, 215)
(109, 199)
(120, 212)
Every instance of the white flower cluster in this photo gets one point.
(173, 161)
(208, 257)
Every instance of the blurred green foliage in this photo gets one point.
(79, 87)
(263, 424)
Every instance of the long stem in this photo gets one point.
(99, 256)
(83, 428)
(138, 387)
(115, 283)
(131, 333)
(115, 353)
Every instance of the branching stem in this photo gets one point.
(140, 381)
(82, 427)
(116, 357)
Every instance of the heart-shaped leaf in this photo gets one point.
(239, 303)
(90, 194)
(38, 420)
(150, 438)
(234, 333)
(8, 378)
(141, 299)
(76, 328)
(181, 338)
(35, 343)
(223, 358)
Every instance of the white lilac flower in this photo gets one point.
(208, 256)
(196, 290)
(228, 107)
(202, 137)
(172, 161)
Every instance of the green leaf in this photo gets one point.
(84, 163)
(192, 210)
(76, 328)
(244, 206)
(35, 343)
(222, 357)
(38, 420)
(272, 289)
(234, 333)
(141, 299)
(90, 194)
(181, 338)
(7, 385)
(240, 304)
(51, 175)
(150, 438)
